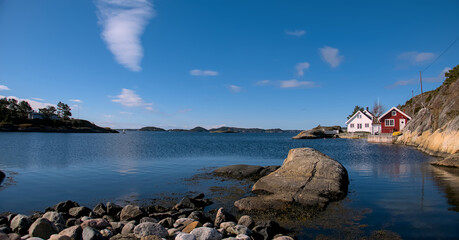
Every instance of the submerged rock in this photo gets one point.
(242, 171)
(307, 177)
(451, 161)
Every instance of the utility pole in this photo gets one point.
(420, 79)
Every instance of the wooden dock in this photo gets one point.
(384, 138)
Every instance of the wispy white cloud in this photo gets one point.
(439, 78)
(300, 67)
(129, 98)
(198, 72)
(34, 104)
(331, 56)
(4, 88)
(123, 22)
(415, 58)
(297, 33)
(400, 83)
(296, 84)
(126, 113)
(76, 100)
(263, 82)
(183, 111)
(235, 89)
(38, 99)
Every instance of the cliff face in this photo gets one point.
(435, 124)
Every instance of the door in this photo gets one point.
(402, 124)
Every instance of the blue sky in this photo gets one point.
(180, 64)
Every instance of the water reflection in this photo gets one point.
(447, 179)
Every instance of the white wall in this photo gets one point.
(360, 118)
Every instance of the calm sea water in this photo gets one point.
(391, 187)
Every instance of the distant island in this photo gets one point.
(19, 117)
(221, 130)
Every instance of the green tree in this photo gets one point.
(47, 111)
(23, 109)
(13, 107)
(356, 109)
(63, 110)
(4, 111)
(452, 75)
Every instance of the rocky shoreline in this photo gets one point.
(186, 220)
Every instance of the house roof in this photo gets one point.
(396, 109)
(368, 115)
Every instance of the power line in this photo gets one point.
(441, 53)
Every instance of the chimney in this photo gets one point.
(367, 109)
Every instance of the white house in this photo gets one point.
(361, 122)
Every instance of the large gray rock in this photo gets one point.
(132, 212)
(307, 177)
(73, 232)
(20, 224)
(205, 233)
(54, 217)
(149, 228)
(91, 234)
(247, 221)
(79, 211)
(65, 206)
(98, 223)
(223, 216)
(42, 228)
(100, 209)
(450, 161)
(113, 209)
(242, 171)
(185, 236)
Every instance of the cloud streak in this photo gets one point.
(400, 83)
(234, 89)
(415, 58)
(76, 100)
(300, 67)
(331, 56)
(34, 104)
(296, 84)
(129, 98)
(198, 72)
(4, 88)
(123, 22)
(297, 33)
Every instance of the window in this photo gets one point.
(394, 113)
(359, 126)
(352, 125)
(390, 122)
(367, 125)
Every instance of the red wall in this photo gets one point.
(396, 118)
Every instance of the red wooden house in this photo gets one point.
(393, 120)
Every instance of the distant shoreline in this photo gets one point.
(216, 130)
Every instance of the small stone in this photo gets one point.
(151, 237)
(109, 218)
(4, 236)
(100, 209)
(128, 228)
(149, 228)
(172, 231)
(208, 224)
(20, 224)
(239, 229)
(106, 233)
(246, 221)
(124, 237)
(79, 211)
(5, 229)
(73, 232)
(14, 236)
(243, 237)
(283, 238)
(91, 234)
(42, 228)
(117, 226)
(148, 219)
(54, 217)
(98, 223)
(167, 222)
(223, 216)
(185, 236)
(59, 237)
(205, 233)
(113, 209)
(226, 225)
(65, 206)
(70, 222)
(132, 212)
(190, 227)
(33, 238)
(181, 223)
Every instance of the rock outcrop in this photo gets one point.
(319, 132)
(307, 177)
(435, 125)
(450, 161)
(242, 171)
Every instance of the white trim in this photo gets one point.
(390, 120)
(394, 108)
(350, 119)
